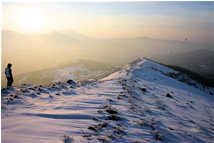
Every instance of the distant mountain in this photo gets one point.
(74, 34)
(36, 52)
(66, 36)
(199, 61)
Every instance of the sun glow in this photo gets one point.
(29, 20)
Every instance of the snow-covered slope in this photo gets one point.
(140, 103)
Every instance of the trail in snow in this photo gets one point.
(139, 103)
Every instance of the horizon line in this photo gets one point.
(103, 38)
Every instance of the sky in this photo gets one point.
(162, 20)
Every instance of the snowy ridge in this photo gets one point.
(151, 71)
(138, 104)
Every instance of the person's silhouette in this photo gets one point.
(9, 76)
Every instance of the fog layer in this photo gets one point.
(29, 52)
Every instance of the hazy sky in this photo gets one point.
(164, 20)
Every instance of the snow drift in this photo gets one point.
(138, 104)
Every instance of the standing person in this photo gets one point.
(9, 76)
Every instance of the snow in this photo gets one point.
(138, 104)
(73, 72)
(119, 74)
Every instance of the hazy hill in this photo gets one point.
(200, 61)
(32, 52)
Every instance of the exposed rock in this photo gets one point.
(94, 128)
(168, 95)
(120, 96)
(71, 82)
(67, 139)
(158, 135)
(103, 139)
(106, 106)
(143, 89)
(111, 110)
(42, 90)
(119, 131)
(102, 125)
(110, 100)
(114, 117)
(24, 90)
(99, 111)
(13, 96)
(86, 135)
